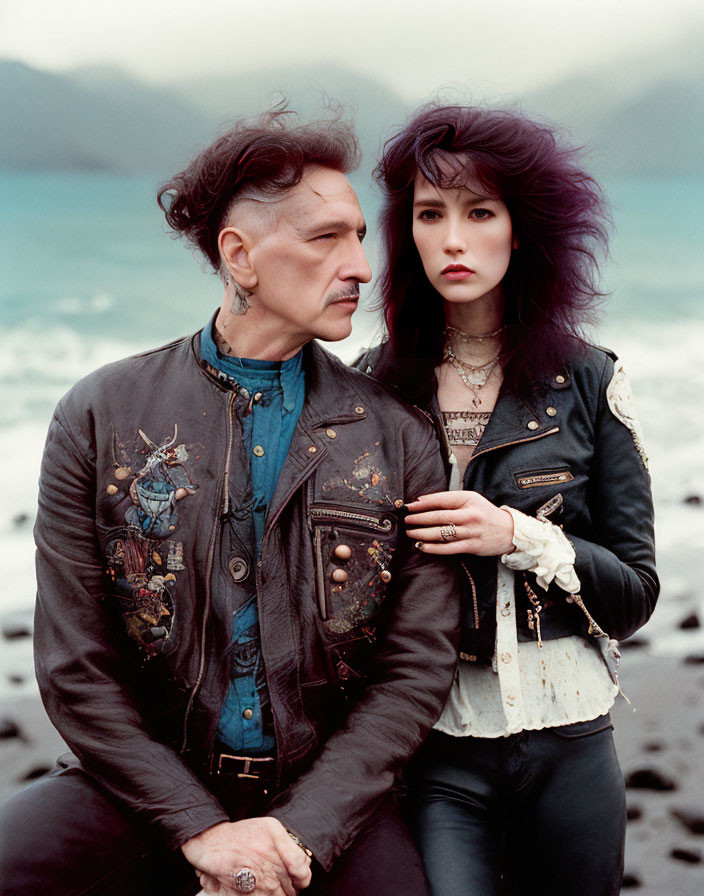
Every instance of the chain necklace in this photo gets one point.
(474, 376)
(472, 337)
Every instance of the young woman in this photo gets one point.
(491, 232)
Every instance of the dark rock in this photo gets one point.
(16, 679)
(20, 519)
(691, 621)
(653, 746)
(633, 813)
(693, 500)
(650, 779)
(630, 881)
(635, 643)
(692, 819)
(13, 630)
(8, 729)
(693, 659)
(692, 856)
(36, 772)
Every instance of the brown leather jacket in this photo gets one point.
(139, 470)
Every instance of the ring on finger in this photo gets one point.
(447, 533)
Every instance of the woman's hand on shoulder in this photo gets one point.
(469, 523)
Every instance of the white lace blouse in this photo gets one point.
(530, 686)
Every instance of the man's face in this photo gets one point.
(310, 263)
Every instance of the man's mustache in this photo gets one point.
(350, 292)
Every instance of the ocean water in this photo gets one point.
(88, 274)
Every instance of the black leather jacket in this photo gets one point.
(142, 461)
(565, 441)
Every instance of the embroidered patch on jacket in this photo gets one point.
(367, 480)
(620, 399)
(535, 478)
(141, 559)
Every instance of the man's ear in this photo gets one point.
(235, 246)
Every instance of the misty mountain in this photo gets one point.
(642, 115)
(96, 119)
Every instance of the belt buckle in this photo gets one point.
(247, 773)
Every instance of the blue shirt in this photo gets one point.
(277, 393)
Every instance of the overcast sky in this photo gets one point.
(415, 47)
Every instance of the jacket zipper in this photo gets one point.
(320, 572)
(540, 435)
(209, 572)
(475, 603)
(348, 516)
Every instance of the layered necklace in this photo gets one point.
(474, 376)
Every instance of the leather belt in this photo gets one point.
(253, 768)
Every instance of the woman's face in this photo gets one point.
(464, 240)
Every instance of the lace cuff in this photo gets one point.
(542, 548)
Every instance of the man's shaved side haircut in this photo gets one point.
(257, 160)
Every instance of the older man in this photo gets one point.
(233, 634)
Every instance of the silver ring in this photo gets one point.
(447, 533)
(245, 880)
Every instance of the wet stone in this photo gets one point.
(634, 813)
(635, 643)
(653, 746)
(693, 659)
(20, 519)
(691, 621)
(13, 630)
(36, 772)
(650, 779)
(693, 500)
(630, 881)
(691, 856)
(8, 729)
(16, 679)
(692, 818)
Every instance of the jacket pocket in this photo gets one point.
(583, 729)
(353, 559)
(538, 478)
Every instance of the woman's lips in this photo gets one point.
(456, 272)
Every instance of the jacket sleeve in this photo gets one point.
(79, 667)
(619, 584)
(327, 806)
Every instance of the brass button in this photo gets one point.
(551, 412)
(506, 657)
(533, 424)
(330, 433)
(559, 379)
(398, 503)
(238, 568)
(258, 450)
(385, 576)
(312, 449)
(343, 552)
(247, 713)
(339, 575)
(359, 409)
(111, 489)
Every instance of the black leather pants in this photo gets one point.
(541, 812)
(64, 836)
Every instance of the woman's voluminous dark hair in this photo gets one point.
(262, 157)
(558, 214)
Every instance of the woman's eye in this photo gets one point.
(428, 214)
(481, 214)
